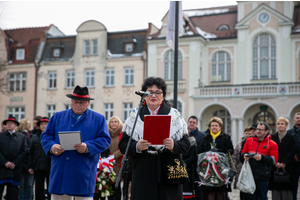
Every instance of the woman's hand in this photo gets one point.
(277, 165)
(142, 145)
(282, 165)
(169, 144)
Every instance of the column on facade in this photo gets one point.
(199, 124)
(241, 128)
(233, 131)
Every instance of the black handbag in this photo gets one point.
(171, 169)
(281, 176)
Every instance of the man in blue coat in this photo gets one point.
(73, 172)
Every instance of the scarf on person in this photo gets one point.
(280, 136)
(214, 136)
(115, 132)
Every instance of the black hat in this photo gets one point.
(11, 118)
(80, 93)
(44, 119)
(253, 126)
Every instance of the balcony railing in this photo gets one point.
(181, 86)
(281, 89)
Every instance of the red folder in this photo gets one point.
(156, 128)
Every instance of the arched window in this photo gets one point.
(179, 106)
(267, 117)
(223, 27)
(221, 67)
(169, 66)
(225, 116)
(264, 57)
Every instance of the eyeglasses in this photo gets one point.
(260, 129)
(157, 94)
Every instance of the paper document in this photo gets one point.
(68, 139)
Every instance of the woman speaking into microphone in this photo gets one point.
(146, 162)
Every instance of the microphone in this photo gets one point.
(143, 94)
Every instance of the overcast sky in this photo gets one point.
(68, 15)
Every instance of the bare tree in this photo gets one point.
(3, 77)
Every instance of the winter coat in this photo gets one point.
(269, 151)
(114, 149)
(74, 173)
(13, 149)
(296, 133)
(286, 152)
(25, 163)
(198, 136)
(236, 161)
(37, 158)
(223, 144)
(145, 168)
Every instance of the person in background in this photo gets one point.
(236, 157)
(193, 131)
(36, 128)
(221, 142)
(39, 163)
(73, 172)
(11, 157)
(286, 150)
(3, 127)
(266, 155)
(295, 131)
(27, 179)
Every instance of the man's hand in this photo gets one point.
(277, 165)
(57, 150)
(7, 164)
(142, 145)
(282, 165)
(169, 144)
(30, 171)
(246, 157)
(296, 158)
(81, 148)
(257, 157)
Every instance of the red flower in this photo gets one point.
(107, 174)
(104, 187)
(218, 166)
(111, 183)
(204, 164)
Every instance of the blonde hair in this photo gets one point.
(23, 124)
(285, 120)
(118, 119)
(216, 119)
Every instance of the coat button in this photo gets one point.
(73, 115)
(67, 158)
(72, 125)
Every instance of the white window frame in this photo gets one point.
(20, 54)
(17, 112)
(108, 110)
(87, 47)
(226, 118)
(223, 27)
(216, 64)
(56, 52)
(70, 79)
(128, 47)
(127, 108)
(18, 81)
(68, 106)
(52, 80)
(90, 78)
(257, 58)
(169, 66)
(128, 76)
(50, 110)
(94, 47)
(109, 77)
(91, 106)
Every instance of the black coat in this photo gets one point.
(198, 136)
(145, 168)
(13, 149)
(296, 133)
(286, 152)
(37, 158)
(25, 161)
(223, 144)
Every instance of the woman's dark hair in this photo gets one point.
(159, 82)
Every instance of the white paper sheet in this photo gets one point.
(68, 139)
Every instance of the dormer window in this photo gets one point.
(56, 53)
(20, 54)
(129, 47)
(223, 27)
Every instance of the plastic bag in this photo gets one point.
(213, 169)
(246, 181)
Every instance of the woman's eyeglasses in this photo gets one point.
(157, 94)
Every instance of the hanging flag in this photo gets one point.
(170, 37)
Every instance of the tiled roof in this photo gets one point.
(117, 40)
(66, 44)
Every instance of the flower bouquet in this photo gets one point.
(105, 177)
(213, 168)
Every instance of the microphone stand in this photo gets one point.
(124, 163)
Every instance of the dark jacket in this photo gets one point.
(13, 149)
(144, 183)
(286, 152)
(25, 161)
(296, 133)
(269, 151)
(198, 136)
(37, 158)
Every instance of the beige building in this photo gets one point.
(111, 65)
(240, 63)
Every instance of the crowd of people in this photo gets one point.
(31, 158)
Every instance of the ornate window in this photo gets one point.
(50, 110)
(264, 57)
(108, 110)
(17, 81)
(225, 116)
(127, 107)
(109, 77)
(221, 67)
(169, 66)
(18, 112)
